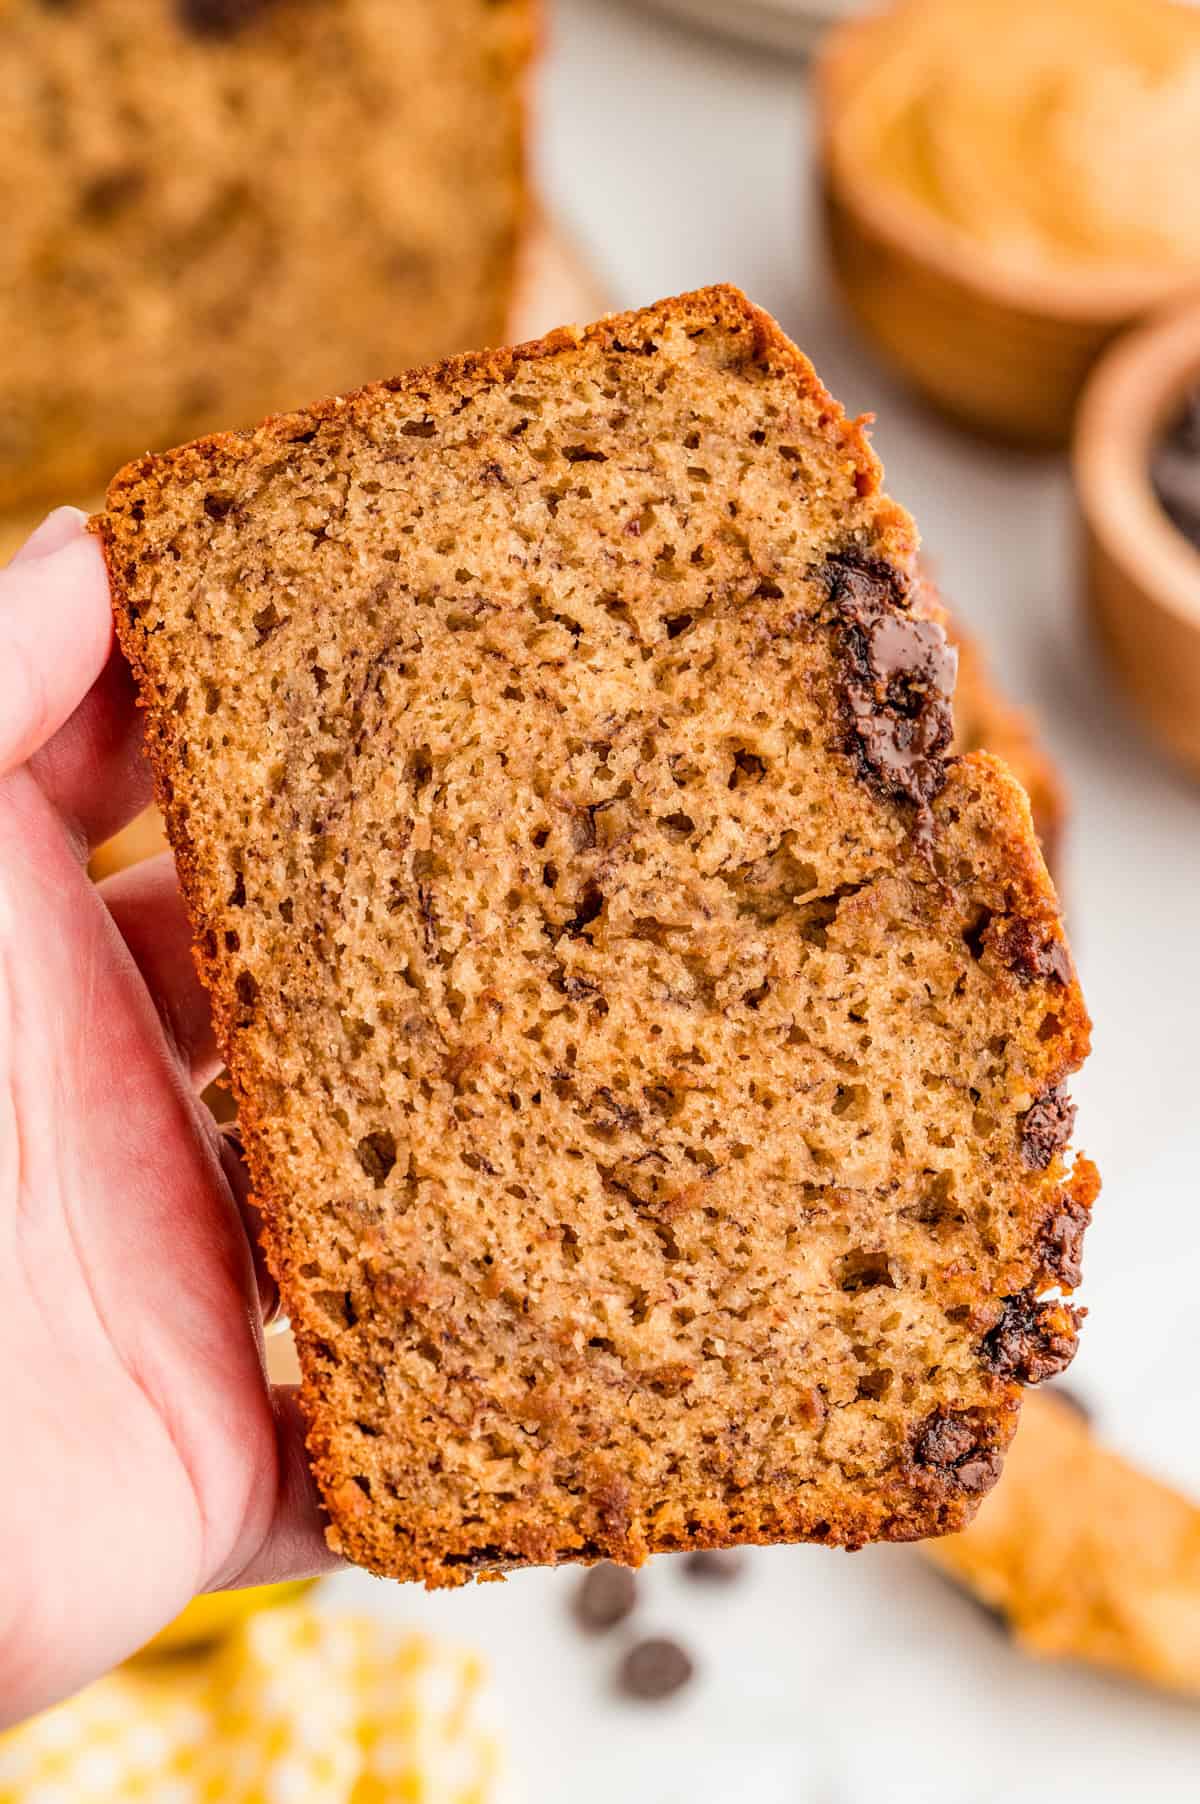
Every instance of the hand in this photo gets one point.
(143, 1455)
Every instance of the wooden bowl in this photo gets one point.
(1141, 575)
(1003, 351)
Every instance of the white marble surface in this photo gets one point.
(828, 1679)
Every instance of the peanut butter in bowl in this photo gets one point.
(1008, 183)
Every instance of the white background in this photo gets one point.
(825, 1678)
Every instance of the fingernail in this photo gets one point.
(56, 530)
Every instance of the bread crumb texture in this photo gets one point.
(650, 1044)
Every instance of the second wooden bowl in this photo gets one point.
(1141, 575)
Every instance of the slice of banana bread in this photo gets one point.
(650, 1045)
(1085, 1556)
(216, 207)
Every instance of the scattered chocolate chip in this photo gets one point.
(606, 1595)
(1033, 957)
(897, 680)
(1046, 1127)
(954, 1444)
(220, 18)
(1032, 1341)
(654, 1669)
(1061, 1243)
(715, 1565)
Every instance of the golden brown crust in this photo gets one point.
(439, 386)
(953, 1453)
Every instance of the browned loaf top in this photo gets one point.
(213, 208)
(650, 1044)
(986, 720)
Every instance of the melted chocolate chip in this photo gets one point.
(954, 1444)
(1061, 1243)
(606, 1596)
(897, 681)
(1046, 1128)
(1032, 1341)
(1034, 958)
(715, 1565)
(220, 18)
(655, 1669)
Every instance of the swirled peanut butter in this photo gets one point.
(1061, 133)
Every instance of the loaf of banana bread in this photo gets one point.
(213, 208)
(650, 1043)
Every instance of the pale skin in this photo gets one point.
(145, 1457)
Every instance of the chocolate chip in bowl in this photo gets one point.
(1175, 469)
(1138, 420)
